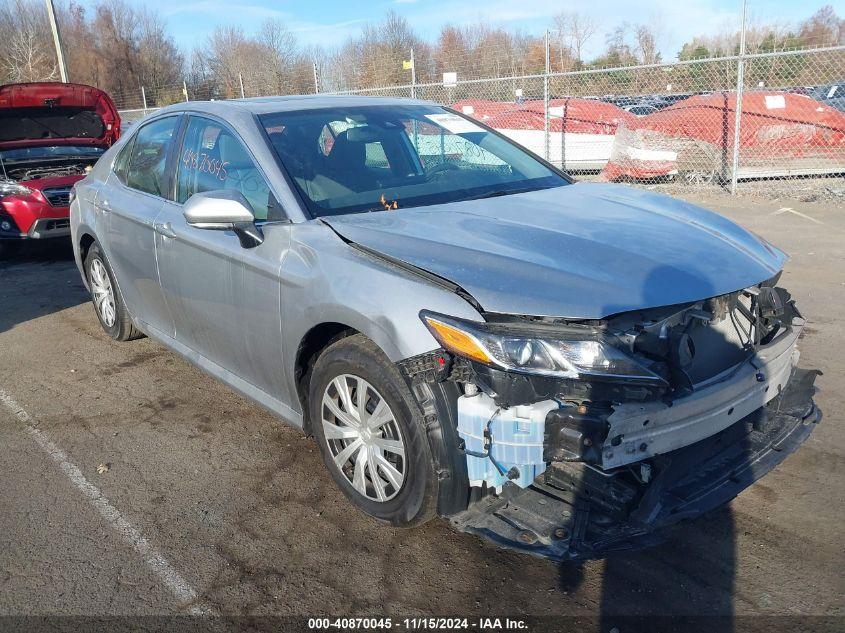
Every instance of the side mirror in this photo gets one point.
(223, 210)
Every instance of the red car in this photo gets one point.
(51, 134)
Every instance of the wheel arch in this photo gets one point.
(86, 240)
(437, 404)
(312, 344)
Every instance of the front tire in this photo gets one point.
(371, 434)
(108, 304)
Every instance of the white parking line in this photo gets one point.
(180, 588)
(783, 210)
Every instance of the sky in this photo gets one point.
(330, 22)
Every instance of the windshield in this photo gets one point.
(41, 153)
(377, 158)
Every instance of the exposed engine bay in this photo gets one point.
(568, 466)
(55, 167)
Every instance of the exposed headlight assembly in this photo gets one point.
(562, 352)
(11, 188)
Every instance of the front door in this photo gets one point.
(225, 299)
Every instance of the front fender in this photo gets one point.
(324, 280)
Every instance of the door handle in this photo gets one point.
(165, 229)
(104, 204)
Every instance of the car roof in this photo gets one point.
(265, 105)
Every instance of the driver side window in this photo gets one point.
(148, 158)
(213, 158)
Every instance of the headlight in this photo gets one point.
(11, 188)
(562, 352)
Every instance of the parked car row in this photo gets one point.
(655, 101)
(783, 134)
(831, 94)
(580, 131)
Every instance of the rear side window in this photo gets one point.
(121, 163)
(213, 158)
(148, 158)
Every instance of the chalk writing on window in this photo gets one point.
(203, 163)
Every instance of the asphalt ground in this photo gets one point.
(209, 504)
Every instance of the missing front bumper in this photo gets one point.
(565, 516)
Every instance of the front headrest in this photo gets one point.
(345, 150)
(230, 150)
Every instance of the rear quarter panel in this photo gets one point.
(85, 217)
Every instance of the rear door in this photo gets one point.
(132, 201)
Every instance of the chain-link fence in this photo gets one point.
(775, 117)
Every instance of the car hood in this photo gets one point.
(50, 114)
(583, 251)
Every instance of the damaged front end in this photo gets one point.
(579, 438)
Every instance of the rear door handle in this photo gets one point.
(164, 228)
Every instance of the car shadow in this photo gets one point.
(687, 582)
(684, 584)
(37, 279)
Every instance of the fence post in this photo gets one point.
(740, 85)
(413, 76)
(144, 99)
(241, 82)
(316, 78)
(546, 125)
(563, 115)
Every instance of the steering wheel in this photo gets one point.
(443, 168)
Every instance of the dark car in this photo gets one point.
(51, 134)
(832, 95)
(640, 109)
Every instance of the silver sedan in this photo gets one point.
(562, 367)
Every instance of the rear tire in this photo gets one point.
(383, 464)
(108, 304)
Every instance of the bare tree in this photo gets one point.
(574, 31)
(646, 43)
(451, 50)
(26, 50)
(268, 63)
(160, 61)
(374, 58)
(823, 28)
(618, 50)
(232, 56)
